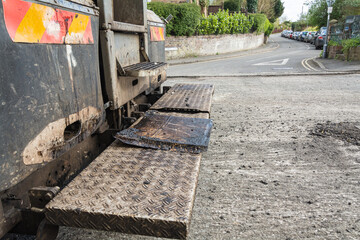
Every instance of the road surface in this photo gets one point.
(290, 56)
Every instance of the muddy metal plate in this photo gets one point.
(168, 132)
(186, 114)
(131, 190)
(186, 97)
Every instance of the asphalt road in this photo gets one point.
(265, 175)
(289, 57)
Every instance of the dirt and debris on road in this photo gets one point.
(267, 173)
(346, 131)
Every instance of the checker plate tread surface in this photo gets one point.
(179, 114)
(168, 133)
(131, 190)
(186, 97)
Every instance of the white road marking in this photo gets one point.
(273, 63)
(285, 68)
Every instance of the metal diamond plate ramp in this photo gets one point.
(180, 114)
(168, 132)
(131, 190)
(186, 97)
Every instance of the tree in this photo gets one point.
(233, 5)
(278, 9)
(252, 6)
(317, 14)
(273, 9)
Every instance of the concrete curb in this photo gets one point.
(272, 74)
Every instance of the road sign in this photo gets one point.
(329, 2)
(330, 9)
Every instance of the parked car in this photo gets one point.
(302, 36)
(288, 34)
(320, 39)
(296, 35)
(309, 36)
(283, 33)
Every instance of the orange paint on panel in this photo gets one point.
(32, 27)
(35, 23)
(77, 29)
(57, 30)
(88, 37)
(14, 12)
(157, 34)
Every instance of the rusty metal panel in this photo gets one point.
(131, 190)
(178, 114)
(168, 132)
(186, 97)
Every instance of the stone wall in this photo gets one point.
(182, 47)
(336, 52)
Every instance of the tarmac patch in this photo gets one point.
(345, 131)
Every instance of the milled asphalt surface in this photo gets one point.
(265, 176)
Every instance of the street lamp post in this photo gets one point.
(329, 10)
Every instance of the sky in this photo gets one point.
(293, 9)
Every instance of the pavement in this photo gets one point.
(330, 66)
(334, 65)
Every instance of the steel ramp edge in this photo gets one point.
(144, 69)
(131, 190)
(180, 114)
(168, 132)
(186, 98)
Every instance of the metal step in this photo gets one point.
(186, 97)
(131, 190)
(168, 133)
(144, 69)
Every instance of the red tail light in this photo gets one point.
(321, 38)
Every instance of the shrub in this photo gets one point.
(259, 22)
(232, 5)
(252, 6)
(225, 23)
(186, 17)
(269, 27)
(334, 43)
(349, 43)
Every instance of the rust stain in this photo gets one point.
(51, 139)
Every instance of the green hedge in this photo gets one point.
(186, 17)
(350, 43)
(261, 24)
(225, 23)
(269, 27)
